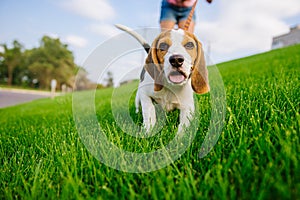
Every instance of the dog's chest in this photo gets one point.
(167, 100)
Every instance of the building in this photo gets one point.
(291, 38)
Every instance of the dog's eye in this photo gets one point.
(163, 46)
(189, 45)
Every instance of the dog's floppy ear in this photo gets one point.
(199, 73)
(153, 67)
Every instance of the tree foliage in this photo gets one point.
(109, 79)
(52, 60)
(11, 58)
(36, 67)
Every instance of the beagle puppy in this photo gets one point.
(174, 69)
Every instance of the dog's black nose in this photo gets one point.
(176, 60)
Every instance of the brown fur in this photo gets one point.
(154, 62)
(199, 73)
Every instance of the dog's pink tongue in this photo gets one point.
(178, 78)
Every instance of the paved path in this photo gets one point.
(11, 97)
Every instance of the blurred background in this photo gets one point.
(43, 40)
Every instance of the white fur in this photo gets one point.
(177, 48)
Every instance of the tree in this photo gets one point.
(11, 58)
(38, 66)
(110, 79)
(82, 82)
(52, 60)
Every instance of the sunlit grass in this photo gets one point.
(256, 156)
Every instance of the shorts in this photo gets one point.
(174, 13)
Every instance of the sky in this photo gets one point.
(228, 29)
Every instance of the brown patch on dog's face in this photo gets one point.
(199, 73)
(162, 46)
(191, 45)
(155, 59)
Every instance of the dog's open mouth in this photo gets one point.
(177, 77)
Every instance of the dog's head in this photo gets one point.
(177, 56)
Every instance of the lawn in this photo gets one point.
(256, 156)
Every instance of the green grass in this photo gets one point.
(256, 156)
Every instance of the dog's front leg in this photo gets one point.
(186, 114)
(148, 111)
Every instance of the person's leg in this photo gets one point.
(191, 27)
(167, 16)
(167, 25)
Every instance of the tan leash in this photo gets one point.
(190, 17)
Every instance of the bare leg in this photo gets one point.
(167, 25)
(191, 28)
